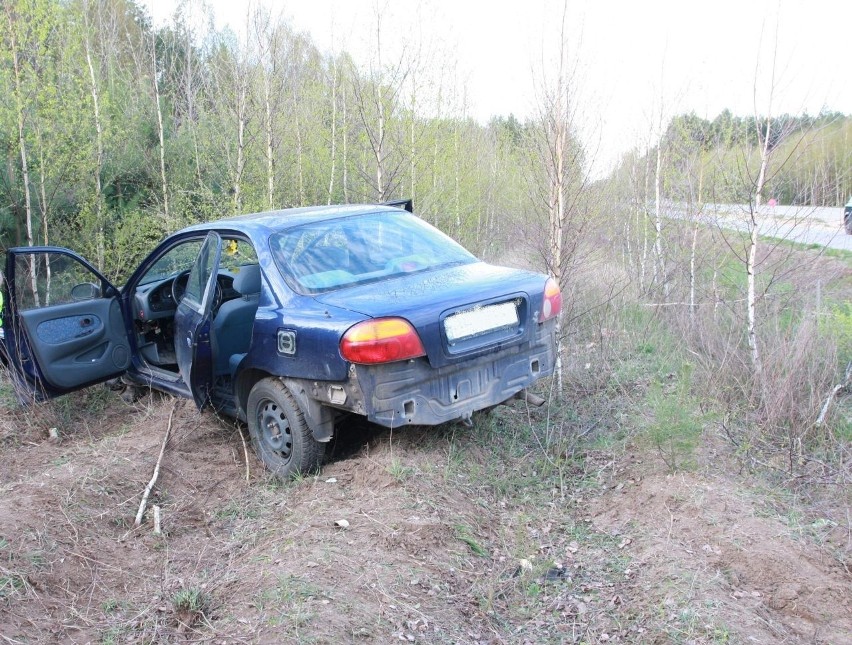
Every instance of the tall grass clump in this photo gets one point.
(773, 410)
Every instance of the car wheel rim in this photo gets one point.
(275, 430)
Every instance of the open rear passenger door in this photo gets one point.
(63, 325)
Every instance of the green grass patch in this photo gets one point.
(836, 323)
(399, 471)
(192, 600)
(836, 254)
(237, 510)
(286, 602)
(10, 584)
(465, 534)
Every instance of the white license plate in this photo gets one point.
(480, 321)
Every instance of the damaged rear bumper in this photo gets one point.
(414, 393)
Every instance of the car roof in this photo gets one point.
(278, 220)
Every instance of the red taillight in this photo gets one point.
(383, 340)
(552, 304)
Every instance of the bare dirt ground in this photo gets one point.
(454, 535)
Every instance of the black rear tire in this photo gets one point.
(279, 433)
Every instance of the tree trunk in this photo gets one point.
(751, 325)
(345, 151)
(300, 159)
(162, 138)
(99, 162)
(333, 130)
(692, 269)
(456, 181)
(659, 269)
(379, 150)
(22, 145)
(270, 156)
(751, 300)
(44, 228)
(413, 154)
(241, 146)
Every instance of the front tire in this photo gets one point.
(279, 433)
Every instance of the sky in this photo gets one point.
(635, 61)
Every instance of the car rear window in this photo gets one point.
(337, 253)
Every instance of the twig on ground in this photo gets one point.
(245, 451)
(153, 481)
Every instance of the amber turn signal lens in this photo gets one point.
(382, 340)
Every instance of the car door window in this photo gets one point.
(199, 277)
(46, 279)
(236, 253)
(175, 260)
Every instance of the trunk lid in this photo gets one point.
(459, 312)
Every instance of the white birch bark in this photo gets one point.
(345, 150)
(751, 260)
(162, 139)
(22, 145)
(241, 145)
(99, 161)
(270, 154)
(334, 81)
(44, 219)
(644, 261)
(659, 270)
(379, 150)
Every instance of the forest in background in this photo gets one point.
(116, 133)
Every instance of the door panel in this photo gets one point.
(78, 342)
(64, 327)
(193, 341)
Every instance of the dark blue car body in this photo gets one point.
(481, 328)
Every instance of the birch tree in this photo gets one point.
(378, 97)
(559, 158)
(272, 51)
(230, 89)
(155, 82)
(26, 32)
(99, 143)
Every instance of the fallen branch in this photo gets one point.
(153, 481)
(245, 453)
(844, 384)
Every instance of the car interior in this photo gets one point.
(160, 290)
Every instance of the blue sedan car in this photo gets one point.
(289, 320)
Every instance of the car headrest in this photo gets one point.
(247, 281)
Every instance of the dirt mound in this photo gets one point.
(423, 535)
(770, 582)
(242, 559)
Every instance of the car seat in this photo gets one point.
(233, 324)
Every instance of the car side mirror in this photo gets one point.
(85, 291)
